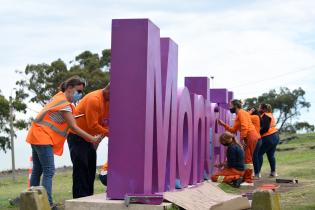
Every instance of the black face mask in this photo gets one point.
(232, 110)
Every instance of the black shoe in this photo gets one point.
(15, 201)
(237, 183)
(54, 207)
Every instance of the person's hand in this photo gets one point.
(220, 122)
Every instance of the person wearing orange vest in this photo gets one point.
(94, 108)
(255, 118)
(49, 131)
(233, 169)
(248, 136)
(103, 174)
(270, 138)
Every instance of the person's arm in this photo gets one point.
(265, 124)
(73, 125)
(233, 129)
(243, 124)
(92, 115)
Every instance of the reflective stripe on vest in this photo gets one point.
(248, 166)
(220, 179)
(40, 121)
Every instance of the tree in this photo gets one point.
(17, 105)
(42, 80)
(285, 103)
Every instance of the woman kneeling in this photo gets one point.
(233, 170)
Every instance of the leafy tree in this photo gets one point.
(17, 105)
(285, 103)
(42, 80)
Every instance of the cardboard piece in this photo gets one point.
(206, 196)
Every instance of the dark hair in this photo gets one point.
(237, 103)
(255, 112)
(264, 106)
(71, 82)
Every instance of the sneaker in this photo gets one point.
(247, 184)
(54, 207)
(237, 183)
(273, 174)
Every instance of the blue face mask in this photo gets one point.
(76, 96)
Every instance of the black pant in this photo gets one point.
(83, 157)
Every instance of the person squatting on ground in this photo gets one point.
(255, 118)
(49, 131)
(95, 107)
(233, 169)
(103, 174)
(270, 138)
(248, 135)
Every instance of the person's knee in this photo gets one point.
(214, 178)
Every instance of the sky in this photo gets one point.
(248, 46)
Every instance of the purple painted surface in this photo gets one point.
(200, 86)
(131, 131)
(185, 137)
(219, 95)
(165, 152)
(158, 133)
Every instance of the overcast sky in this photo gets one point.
(248, 46)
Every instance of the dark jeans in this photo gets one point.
(43, 163)
(269, 145)
(256, 157)
(83, 157)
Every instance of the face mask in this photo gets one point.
(76, 96)
(232, 110)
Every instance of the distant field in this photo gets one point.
(296, 159)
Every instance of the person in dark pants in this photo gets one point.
(93, 110)
(255, 118)
(270, 138)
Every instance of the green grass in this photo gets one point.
(62, 186)
(299, 163)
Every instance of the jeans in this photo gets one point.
(43, 163)
(269, 145)
(256, 157)
(83, 157)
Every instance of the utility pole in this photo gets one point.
(12, 139)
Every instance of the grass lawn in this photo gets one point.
(298, 161)
(62, 184)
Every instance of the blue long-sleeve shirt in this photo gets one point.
(235, 157)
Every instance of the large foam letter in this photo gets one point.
(135, 58)
(184, 137)
(165, 152)
(200, 86)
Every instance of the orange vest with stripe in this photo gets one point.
(45, 131)
(272, 128)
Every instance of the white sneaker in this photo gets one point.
(247, 184)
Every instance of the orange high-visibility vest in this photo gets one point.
(45, 131)
(256, 122)
(272, 128)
